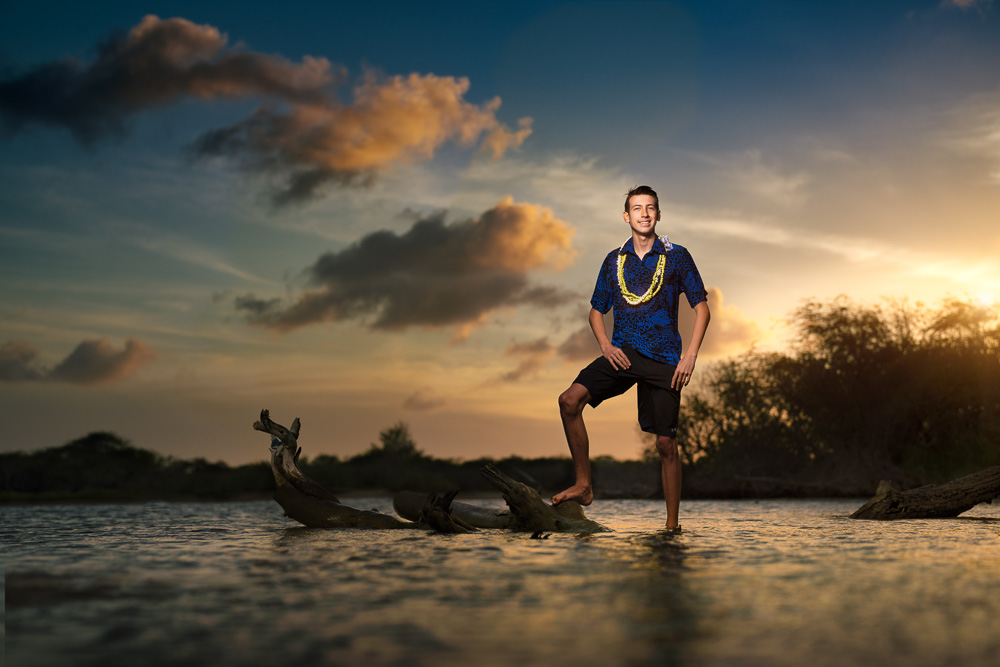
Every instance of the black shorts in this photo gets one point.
(659, 404)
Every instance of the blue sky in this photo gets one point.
(215, 243)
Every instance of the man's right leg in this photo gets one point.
(571, 404)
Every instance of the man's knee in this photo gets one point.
(573, 400)
(667, 447)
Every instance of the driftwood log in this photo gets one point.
(532, 514)
(410, 505)
(438, 516)
(526, 512)
(309, 503)
(304, 499)
(934, 501)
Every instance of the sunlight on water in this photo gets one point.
(748, 583)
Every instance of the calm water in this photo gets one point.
(748, 583)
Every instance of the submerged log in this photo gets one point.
(304, 499)
(934, 501)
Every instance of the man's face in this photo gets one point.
(642, 214)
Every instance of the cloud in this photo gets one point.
(966, 4)
(398, 120)
(19, 362)
(851, 248)
(97, 362)
(729, 332)
(580, 345)
(854, 249)
(181, 250)
(975, 130)
(156, 63)
(302, 133)
(92, 362)
(423, 400)
(532, 355)
(434, 275)
(755, 177)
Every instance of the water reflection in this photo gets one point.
(780, 582)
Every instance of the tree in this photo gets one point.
(865, 392)
(397, 442)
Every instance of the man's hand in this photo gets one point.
(685, 368)
(683, 373)
(615, 356)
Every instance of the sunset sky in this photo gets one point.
(361, 213)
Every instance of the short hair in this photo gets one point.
(642, 190)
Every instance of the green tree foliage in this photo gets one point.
(866, 392)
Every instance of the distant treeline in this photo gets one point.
(102, 466)
(864, 393)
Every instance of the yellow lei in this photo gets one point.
(654, 286)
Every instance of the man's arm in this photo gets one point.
(611, 353)
(682, 376)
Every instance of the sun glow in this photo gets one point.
(986, 298)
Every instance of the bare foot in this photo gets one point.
(581, 494)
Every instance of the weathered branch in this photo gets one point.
(934, 501)
(304, 499)
(285, 456)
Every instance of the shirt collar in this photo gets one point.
(661, 245)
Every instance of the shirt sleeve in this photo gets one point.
(601, 301)
(694, 288)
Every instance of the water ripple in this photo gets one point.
(747, 583)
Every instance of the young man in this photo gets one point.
(642, 281)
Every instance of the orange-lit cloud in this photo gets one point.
(304, 133)
(729, 332)
(91, 362)
(399, 120)
(433, 275)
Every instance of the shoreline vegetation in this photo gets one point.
(864, 393)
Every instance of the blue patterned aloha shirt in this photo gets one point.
(649, 328)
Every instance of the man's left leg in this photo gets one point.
(670, 472)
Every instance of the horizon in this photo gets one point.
(200, 202)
